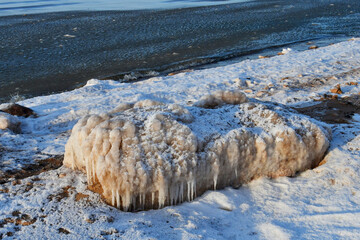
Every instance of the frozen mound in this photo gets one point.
(219, 98)
(7, 121)
(149, 155)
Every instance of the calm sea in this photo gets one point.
(17, 7)
(72, 41)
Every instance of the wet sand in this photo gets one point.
(54, 52)
(333, 111)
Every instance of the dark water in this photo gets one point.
(54, 52)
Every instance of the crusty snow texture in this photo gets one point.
(150, 154)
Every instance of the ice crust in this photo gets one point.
(150, 154)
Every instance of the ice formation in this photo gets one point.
(150, 154)
(220, 97)
(7, 121)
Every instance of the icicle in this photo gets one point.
(112, 198)
(118, 203)
(144, 201)
(236, 172)
(182, 191)
(93, 171)
(126, 201)
(161, 197)
(188, 191)
(215, 182)
(133, 199)
(87, 171)
(152, 198)
(194, 188)
(73, 162)
(177, 193)
(171, 195)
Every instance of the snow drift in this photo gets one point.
(151, 154)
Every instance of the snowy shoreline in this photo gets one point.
(322, 202)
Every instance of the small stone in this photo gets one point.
(248, 91)
(16, 213)
(63, 230)
(4, 190)
(322, 162)
(62, 175)
(80, 196)
(261, 93)
(89, 220)
(262, 57)
(16, 182)
(249, 83)
(336, 89)
(28, 222)
(332, 181)
(313, 47)
(352, 83)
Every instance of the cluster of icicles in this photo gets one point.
(149, 154)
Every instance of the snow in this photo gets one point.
(319, 203)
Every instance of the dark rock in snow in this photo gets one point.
(18, 110)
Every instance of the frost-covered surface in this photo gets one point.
(154, 155)
(320, 203)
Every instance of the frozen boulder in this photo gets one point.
(10, 122)
(220, 98)
(151, 155)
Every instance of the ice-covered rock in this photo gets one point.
(152, 155)
(10, 122)
(219, 98)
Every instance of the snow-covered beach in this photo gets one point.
(318, 203)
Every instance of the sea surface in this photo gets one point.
(53, 46)
(18, 7)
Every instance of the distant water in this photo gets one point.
(19, 7)
(61, 48)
